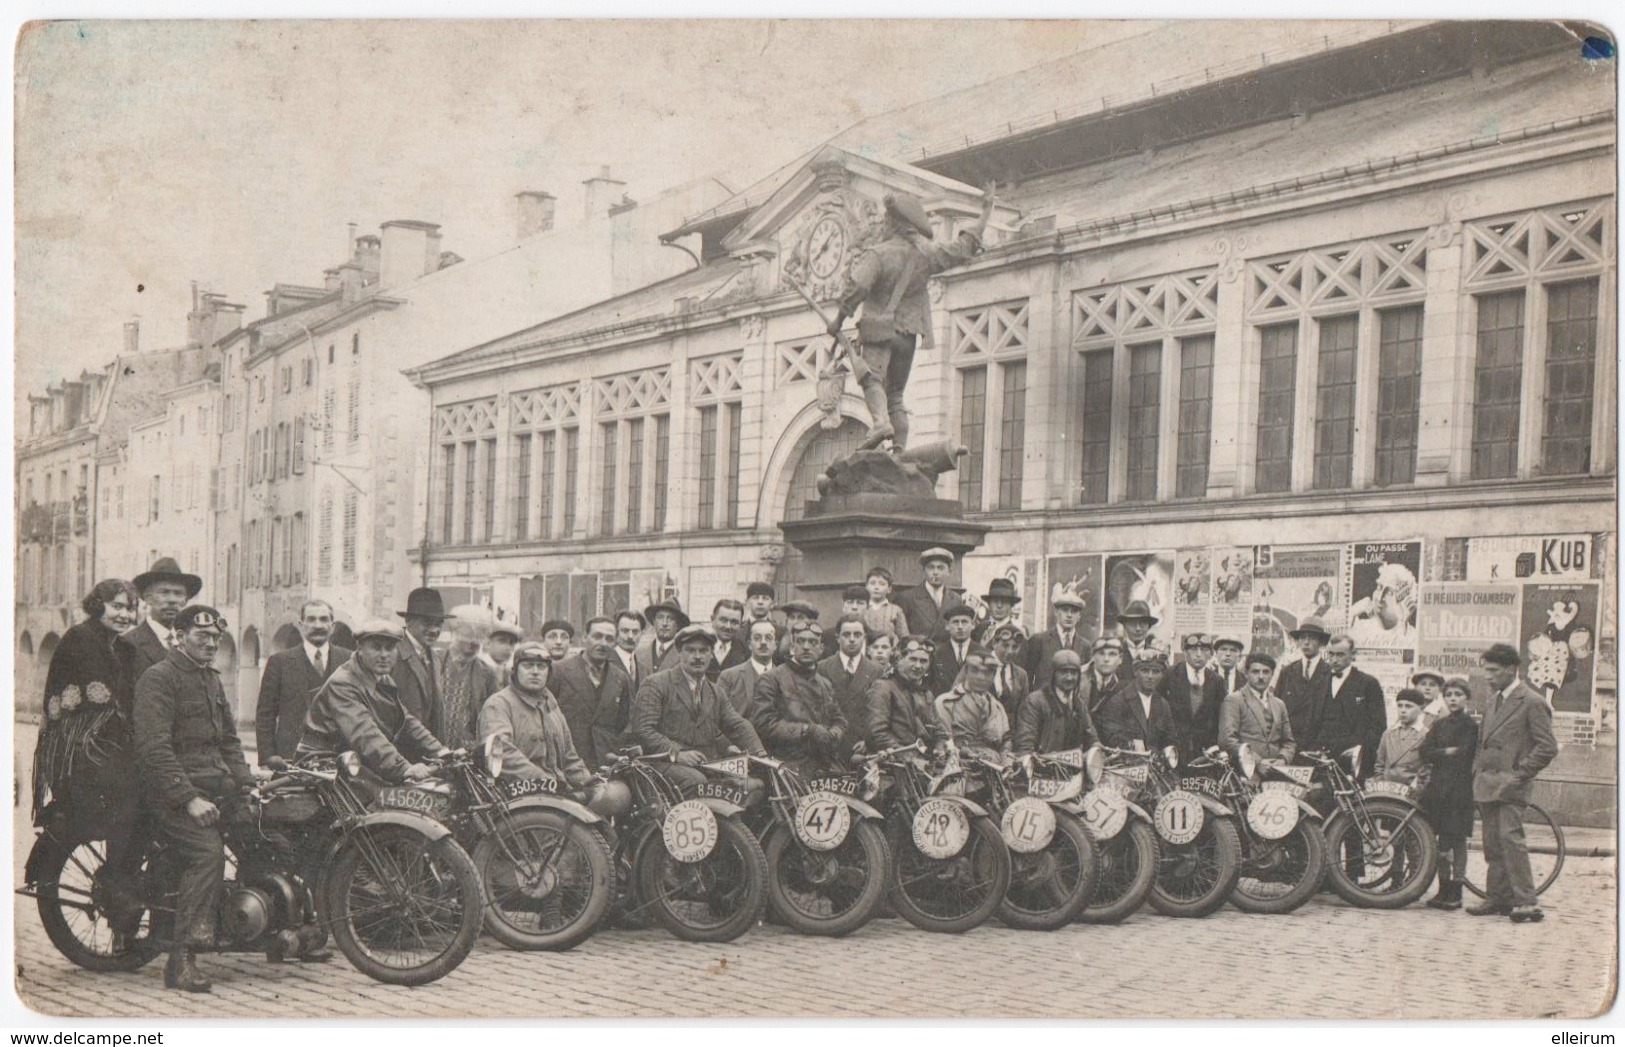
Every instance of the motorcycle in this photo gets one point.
(1053, 859)
(1199, 860)
(952, 869)
(398, 894)
(542, 858)
(687, 860)
(1382, 853)
(827, 860)
(1283, 855)
(1126, 842)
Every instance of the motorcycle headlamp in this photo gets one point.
(351, 762)
(1094, 763)
(1171, 754)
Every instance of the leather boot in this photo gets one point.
(181, 972)
(899, 425)
(1448, 896)
(880, 428)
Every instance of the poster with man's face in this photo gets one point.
(1560, 644)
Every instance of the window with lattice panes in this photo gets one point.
(1334, 403)
(708, 466)
(608, 436)
(730, 479)
(521, 495)
(634, 475)
(1497, 385)
(1277, 389)
(662, 468)
(1571, 368)
(972, 433)
(1012, 432)
(1399, 391)
(448, 493)
(549, 476)
(1195, 416)
(572, 456)
(471, 475)
(1143, 409)
(488, 525)
(1096, 436)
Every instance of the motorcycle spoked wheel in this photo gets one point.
(548, 880)
(1049, 888)
(715, 899)
(1278, 876)
(73, 896)
(950, 895)
(1127, 872)
(404, 909)
(829, 893)
(1194, 879)
(1390, 872)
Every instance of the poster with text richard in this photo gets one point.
(1456, 621)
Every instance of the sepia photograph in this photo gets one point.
(863, 519)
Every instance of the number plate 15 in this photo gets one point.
(1028, 825)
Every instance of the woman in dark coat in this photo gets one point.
(84, 762)
(1447, 800)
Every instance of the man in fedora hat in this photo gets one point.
(1065, 633)
(1136, 621)
(889, 281)
(417, 671)
(1302, 681)
(1000, 599)
(659, 650)
(165, 589)
(925, 605)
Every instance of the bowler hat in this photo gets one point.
(165, 569)
(1138, 610)
(374, 628)
(1002, 589)
(423, 603)
(909, 210)
(1311, 627)
(670, 607)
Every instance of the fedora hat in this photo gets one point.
(1138, 609)
(670, 607)
(424, 603)
(165, 569)
(1311, 627)
(1002, 589)
(909, 210)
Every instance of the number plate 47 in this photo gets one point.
(822, 821)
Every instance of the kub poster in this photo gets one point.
(1530, 558)
(1560, 643)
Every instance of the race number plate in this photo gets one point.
(1055, 789)
(1067, 757)
(1210, 786)
(1028, 825)
(514, 788)
(1105, 812)
(1272, 815)
(1302, 775)
(1178, 817)
(845, 785)
(941, 829)
(1135, 774)
(1399, 789)
(738, 766)
(406, 798)
(822, 821)
(690, 831)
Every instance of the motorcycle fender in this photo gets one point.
(1138, 811)
(863, 810)
(722, 808)
(434, 830)
(1307, 810)
(971, 807)
(1215, 808)
(562, 804)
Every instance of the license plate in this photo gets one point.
(1208, 786)
(420, 800)
(720, 791)
(842, 786)
(517, 787)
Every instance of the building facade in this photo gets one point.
(1328, 331)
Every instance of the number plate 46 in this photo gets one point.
(822, 821)
(1272, 814)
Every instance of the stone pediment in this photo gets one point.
(824, 214)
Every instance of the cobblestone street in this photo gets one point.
(1413, 963)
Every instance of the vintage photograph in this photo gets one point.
(848, 519)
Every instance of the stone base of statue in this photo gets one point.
(877, 509)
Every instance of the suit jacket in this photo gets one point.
(139, 650)
(417, 684)
(922, 613)
(596, 714)
(285, 691)
(852, 690)
(738, 685)
(1230, 682)
(1044, 725)
(1355, 715)
(1041, 647)
(668, 717)
(1013, 694)
(737, 654)
(1122, 721)
(1515, 744)
(1095, 691)
(1262, 725)
(1300, 694)
(644, 656)
(945, 666)
(1198, 715)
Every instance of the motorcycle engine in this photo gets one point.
(247, 913)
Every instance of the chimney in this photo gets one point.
(601, 192)
(366, 254)
(535, 212)
(409, 250)
(132, 337)
(349, 241)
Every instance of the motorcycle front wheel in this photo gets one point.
(950, 895)
(1128, 871)
(1194, 879)
(715, 899)
(1049, 888)
(74, 894)
(404, 909)
(548, 880)
(830, 893)
(1278, 876)
(1390, 870)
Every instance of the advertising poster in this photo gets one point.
(1142, 576)
(1384, 591)
(648, 588)
(1232, 591)
(1080, 573)
(1193, 594)
(1455, 621)
(707, 585)
(1291, 583)
(978, 572)
(1532, 558)
(1559, 636)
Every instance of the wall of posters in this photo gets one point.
(1192, 595)
(1232, 591)
(1081, 573)
(1559, 643)
(1292, 583)
(1534, 558)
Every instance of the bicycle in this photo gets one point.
(1539, 825)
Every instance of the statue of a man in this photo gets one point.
(889, 281)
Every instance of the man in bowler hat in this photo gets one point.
(417, 671)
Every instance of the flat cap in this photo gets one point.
(380, 628)
(936, 552)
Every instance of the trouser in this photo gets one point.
(890, 360)
(1509, 880)
(686, 778)
(1452, 857)
(198, 860)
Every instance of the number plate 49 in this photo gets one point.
(822, 821)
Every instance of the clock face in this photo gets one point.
(826, 247)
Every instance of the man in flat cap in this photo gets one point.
(1065, 633)
(889, 281)
(796, 614)
(759, 599)
(1227, 651)
(795, 712)
(679, 712)
(1136, 713)
(499, 645)
(1103, 676)
(924, 605)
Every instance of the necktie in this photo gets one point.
(1009, 680)
(321, 660)
(174, 641)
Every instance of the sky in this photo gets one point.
(151, 154)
